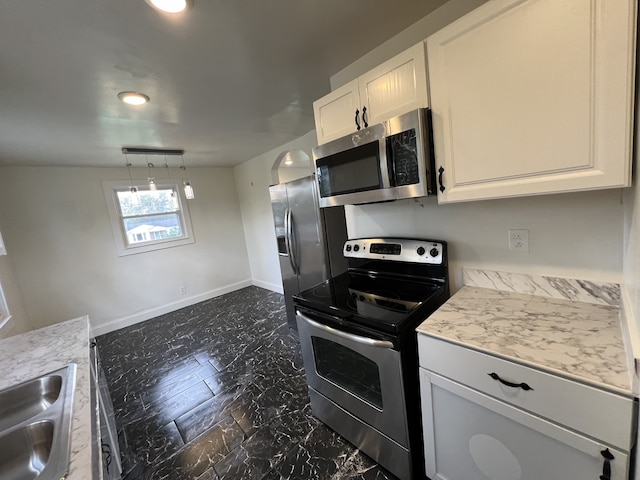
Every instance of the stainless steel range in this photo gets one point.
(357, 333)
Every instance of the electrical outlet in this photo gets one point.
(183, 290)
(519, 240)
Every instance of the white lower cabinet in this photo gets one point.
(471, 436)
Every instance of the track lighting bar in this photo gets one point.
(151, 151)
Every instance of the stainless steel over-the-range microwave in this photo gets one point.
(387, 161)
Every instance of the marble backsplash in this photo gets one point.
(545, 286)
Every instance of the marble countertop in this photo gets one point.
(581, 340)
(42, 351)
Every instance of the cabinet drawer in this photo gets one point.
(595, 412)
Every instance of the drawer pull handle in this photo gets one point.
(606, 468)
(522, 385)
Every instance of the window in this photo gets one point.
(148, 219)
(5, 315)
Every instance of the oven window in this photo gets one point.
(348, 369)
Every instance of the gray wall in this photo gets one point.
(575, 235)
(252, 181)
(59, 235)
(19, 319)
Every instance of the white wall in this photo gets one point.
(19, 322)
(60, 238)
(631, 258)
(631, 271)
(631, 248)
(253, 178)
(631, 251)
(571, 235)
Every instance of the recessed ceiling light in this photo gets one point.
(169, 6)
(133, 98)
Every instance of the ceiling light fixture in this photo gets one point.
(188, 189)
(174, 196)
(135, 197)
(169, 6)
(133, 98)
(152, 180)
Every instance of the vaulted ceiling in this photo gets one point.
(228, 79)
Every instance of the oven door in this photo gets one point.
(359, 374)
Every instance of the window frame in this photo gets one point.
(5, 314)
(111, 189)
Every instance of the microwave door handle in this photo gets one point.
(370, 342)
(384, 169)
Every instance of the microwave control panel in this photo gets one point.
(402, 156)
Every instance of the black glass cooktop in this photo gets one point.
(378, 301)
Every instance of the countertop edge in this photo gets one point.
(539, 367)
(578, 295)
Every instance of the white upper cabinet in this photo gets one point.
(336, 114)
(532, 97)
(397, 86)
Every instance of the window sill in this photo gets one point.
(160, 245)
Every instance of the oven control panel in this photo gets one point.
(395, 249)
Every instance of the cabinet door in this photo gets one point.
(471, 436)
(397, 86)
(534, 96)
(335, 113)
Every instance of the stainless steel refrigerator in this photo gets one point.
(310, 239)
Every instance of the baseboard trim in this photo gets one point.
(169, 307)
(274, 287)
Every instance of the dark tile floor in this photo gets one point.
(217, 391)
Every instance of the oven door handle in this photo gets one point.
(370, 342)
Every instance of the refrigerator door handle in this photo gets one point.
(294, 245)
(288, 227)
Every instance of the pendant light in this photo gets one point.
(152, 180)
(135, 197)
(188, 189)
(174, 196)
